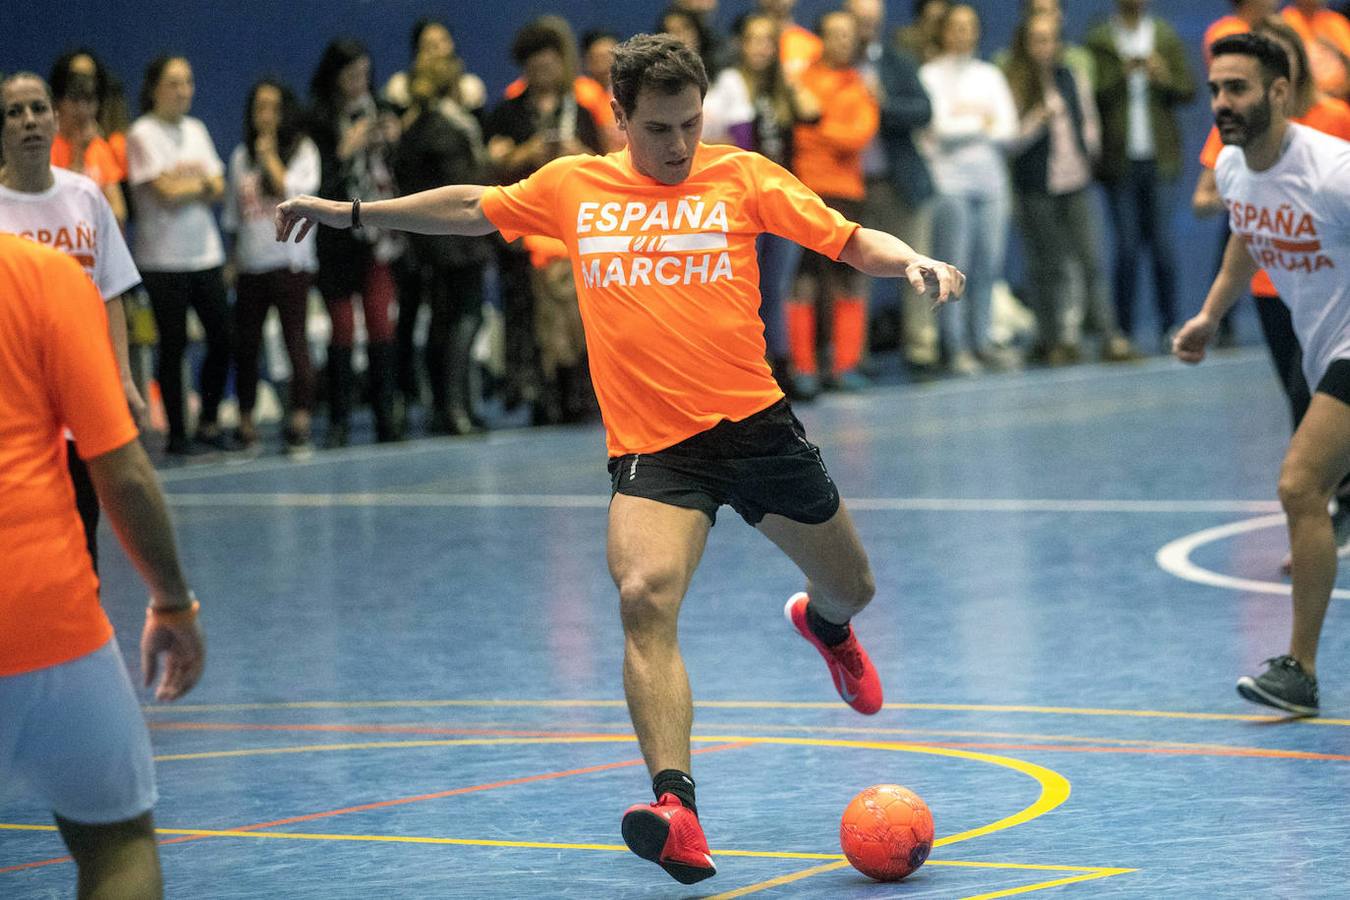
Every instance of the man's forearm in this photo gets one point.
(130, 495)
(1237, 270)
(878, 254)
(453, 209)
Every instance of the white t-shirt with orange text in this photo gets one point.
(1295, 219)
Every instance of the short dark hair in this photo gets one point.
(1266, 51)
(536, 37)
(656, 61)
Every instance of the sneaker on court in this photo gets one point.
(668, 833)
(1283, 685)
(850, 669)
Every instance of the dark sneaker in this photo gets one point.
(850, 669)
(668, 833)
(1284, 685)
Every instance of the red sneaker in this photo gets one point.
(668, 833)
(850, 669)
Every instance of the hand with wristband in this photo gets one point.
(172, 631)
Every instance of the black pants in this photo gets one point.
(1141, 216)
(171, 294)
(1278, 327)
(86, 500)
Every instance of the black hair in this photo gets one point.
(1266, 51)
(153, 73)
(594, 36)
(421, 25)
(536, 37)
(338, 55)
(61, 73)
(290, 127)
(654, 61)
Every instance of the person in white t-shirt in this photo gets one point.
(175, 177)
(275, 162)
(1287, 190)
(67, 211)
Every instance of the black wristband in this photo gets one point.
(356, 213)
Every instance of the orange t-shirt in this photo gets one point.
(667, 280)
(798, 48)
(827, 154)
(56, 368)
(1222, 28)
(1328, 71)
(1329, 116)
(100, 160)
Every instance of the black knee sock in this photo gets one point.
(829, 633)
(673, 781)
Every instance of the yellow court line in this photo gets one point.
(1043, 885)
(741, 704)
(780, 881)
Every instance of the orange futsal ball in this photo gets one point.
(886, 832)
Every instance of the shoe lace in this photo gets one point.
(849, 656)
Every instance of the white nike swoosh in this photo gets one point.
(843, 688)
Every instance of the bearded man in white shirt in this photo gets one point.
(1287, 190)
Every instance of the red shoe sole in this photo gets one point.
(645, 833)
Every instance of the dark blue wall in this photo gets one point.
(232, 42)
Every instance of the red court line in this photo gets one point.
(382, 804)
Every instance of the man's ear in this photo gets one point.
(619, 119)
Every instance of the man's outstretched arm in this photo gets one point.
(883, 255)
(453, 209)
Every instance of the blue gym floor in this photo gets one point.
(413, 687)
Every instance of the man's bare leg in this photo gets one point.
(118, 861)
(831, 556)
(653, 550)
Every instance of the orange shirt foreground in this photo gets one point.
(56, 368)
(1329, 116)
(667, 280)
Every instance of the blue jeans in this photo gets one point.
(1141, 216)
(778, 259)
(971, 233)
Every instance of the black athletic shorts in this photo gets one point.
(1336, 381)
(761, 464)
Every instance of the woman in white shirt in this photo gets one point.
(1059, 138)
(275, 162)
(974, 120)
(176, 175)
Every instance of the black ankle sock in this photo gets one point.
(829, 633)
(673, 781)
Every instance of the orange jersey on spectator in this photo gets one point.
(1222, 28)
(798, 49)
(56, 368)
(1329, 116)
(667, 280)
(827, 154)
(100, 160)
(1328, 70)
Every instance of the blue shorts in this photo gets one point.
(73, 735)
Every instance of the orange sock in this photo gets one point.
(850, 317)
(801, 328)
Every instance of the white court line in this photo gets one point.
(1175, 559)
(601, 501)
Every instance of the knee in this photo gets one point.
(648, 600)
(1301, 493)
(854, 593)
